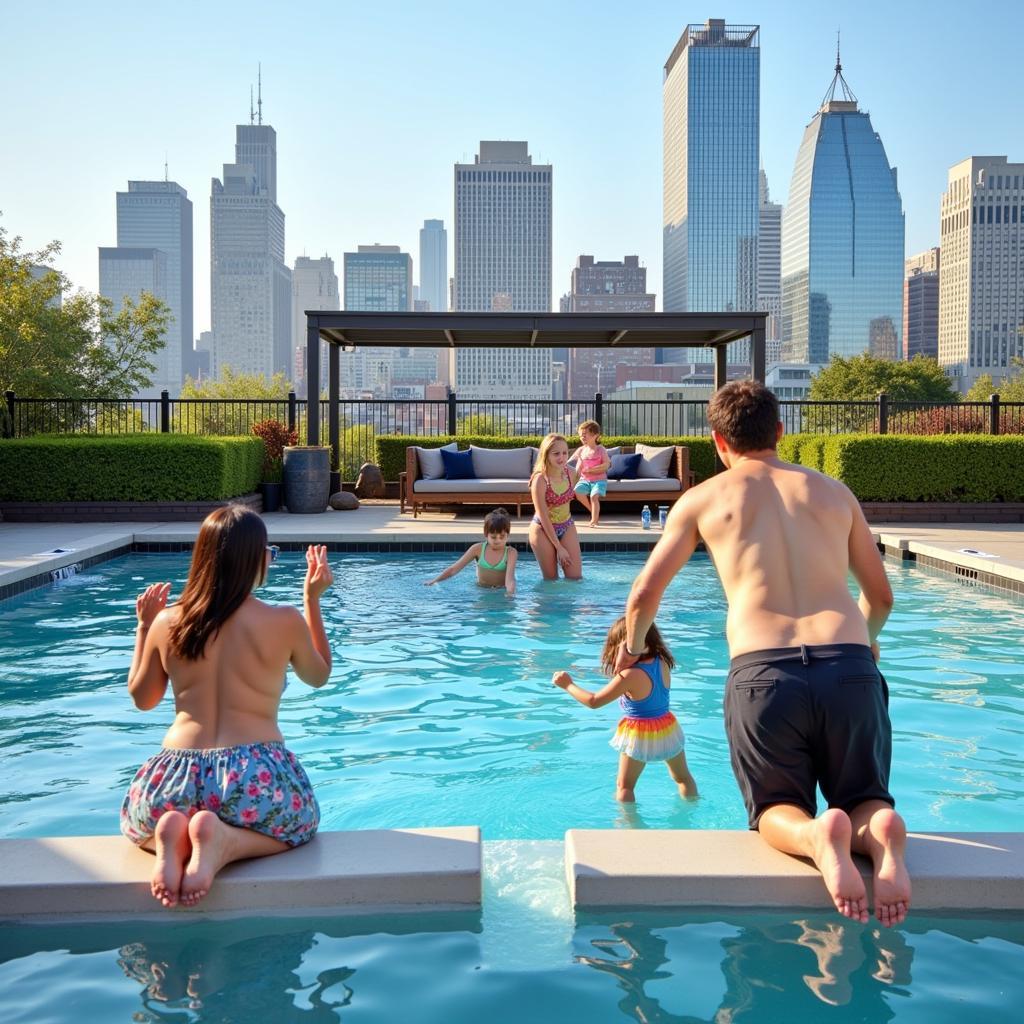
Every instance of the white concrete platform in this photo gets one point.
(656, 868)
(386, 869)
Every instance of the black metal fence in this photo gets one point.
(362, 420)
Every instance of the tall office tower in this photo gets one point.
(377, 278)
(158, 215)
(434, 265)
(769, 264)
(502, 264)
(605, 286)
(921, 305)
(981, 287)
(314, 286)
(842, 239)
(711, 108)
(250, 285)
(124, 274)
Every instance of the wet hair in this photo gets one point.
(498, 521)
(746, 414)
(550, 440)
(654, 646)
(228, 560)
(591, 426)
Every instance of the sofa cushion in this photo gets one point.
(624, 467)
(670, 485)
(432, 462)
(458, 465)
(655, 462)
(507, 463)
(499, 486)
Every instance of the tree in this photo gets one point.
(80, 348)
(481, 424)
(232, 403)
(1009, 389)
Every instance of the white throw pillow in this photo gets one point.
(431, 461)
(655, 462)
(501, 463)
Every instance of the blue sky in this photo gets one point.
(374, 103)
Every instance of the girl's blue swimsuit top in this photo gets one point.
(655, 704)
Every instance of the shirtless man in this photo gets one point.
(223, 787)
(804, 701)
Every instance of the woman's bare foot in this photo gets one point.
(830, 837)
(210, 841)
(172, 847)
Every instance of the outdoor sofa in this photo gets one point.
(501, 476)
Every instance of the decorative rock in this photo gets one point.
(370, 482)
(344, 501)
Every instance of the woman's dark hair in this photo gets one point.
(228, 560)
(654, 646)
(498, 521)
(746, 414)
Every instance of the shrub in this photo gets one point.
(130, 467)
(275, 437)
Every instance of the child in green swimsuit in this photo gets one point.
(495, 559)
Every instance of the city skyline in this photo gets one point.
(334, 201)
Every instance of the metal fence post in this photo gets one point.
(165, 412)
(599, 408)
(451, 413)
(9, 427)
(883, 413)
(291, 410)
(993, 414)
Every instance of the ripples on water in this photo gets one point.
(440, 708)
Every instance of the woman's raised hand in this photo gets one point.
(318, 571)
(151, 602)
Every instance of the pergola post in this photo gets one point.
(312, 379)
(721, 366)
(757, 350)
(333, 417)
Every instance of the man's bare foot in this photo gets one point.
(172, 850)
(891, 881)
(210, 842)
(830, 841)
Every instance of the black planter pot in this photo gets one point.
(271, 496)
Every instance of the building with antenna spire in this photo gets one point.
(250, 284)
(842, 238)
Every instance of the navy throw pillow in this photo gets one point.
(459, 465)
(624, 467)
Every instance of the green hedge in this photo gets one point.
(390, 448)
(129, 467)
(948, 467)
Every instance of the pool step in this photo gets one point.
(431, 868)
(652, 867)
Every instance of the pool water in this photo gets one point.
(440, 709)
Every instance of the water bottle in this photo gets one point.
(645, 517)
(662, 515)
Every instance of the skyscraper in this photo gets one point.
(842, 239)
(981, 285)
(314, 286)
(250, 285)
(605, 286)
(769, 267)
(921, 305)
(711, 109)
(434, 265)
(158, 215)
(502, 262)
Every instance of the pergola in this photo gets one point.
(347, 330)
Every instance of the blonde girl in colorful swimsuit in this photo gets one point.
(552, 532)
(495, 559)
(648, 731)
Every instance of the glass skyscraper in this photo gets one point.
(842, 239)
(711, 108)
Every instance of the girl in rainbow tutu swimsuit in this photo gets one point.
(648, 731)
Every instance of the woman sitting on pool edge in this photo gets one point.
(495, 559)
(552, 532)
(223, 787)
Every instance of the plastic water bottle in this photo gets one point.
(645, 517)
(662, 515)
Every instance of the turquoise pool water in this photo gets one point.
(440, 710)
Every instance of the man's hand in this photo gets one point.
(318, 571)
(625, 660)
(151, 602)
(562, 680)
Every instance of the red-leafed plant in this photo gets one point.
(275, 437)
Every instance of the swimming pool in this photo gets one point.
(440, 710)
